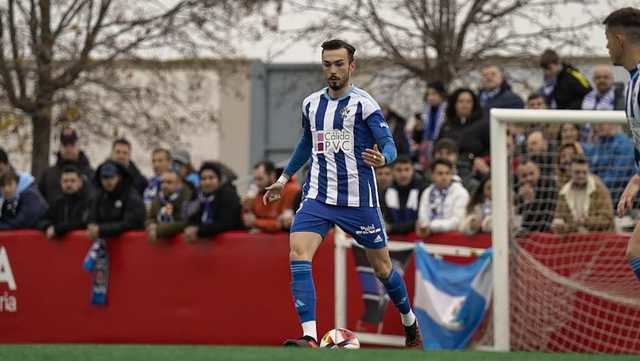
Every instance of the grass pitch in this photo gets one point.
(229, 353)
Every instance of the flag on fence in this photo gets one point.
(450, 299)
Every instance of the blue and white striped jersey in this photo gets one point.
(632, 110)
(341, 129)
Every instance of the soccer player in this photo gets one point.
(623, 42)
(343, 132)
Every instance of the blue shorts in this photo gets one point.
(364, 224)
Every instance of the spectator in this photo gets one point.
(70, 211)
(161, 163)
(167, 214)
(25, 180)
(217, 208)
(479, 209)
(569, 133)
(19, 209)
(121, 153)
(496, 91)
(68, 155)
(611, 157)
(399, 204)
(465, 125)
(605, 96)
(118, 207)
(384, 178)
(536, 101)
(584, 203)
(550, 130)
(442, 204)
(462, 171)
(538, 151)
(182, 162)
(272, 217)
(397, 123)
(563, 162)
(536, 197)
(430, 122)
(565, 86)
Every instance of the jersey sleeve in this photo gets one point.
(382, 134)
(302, 151)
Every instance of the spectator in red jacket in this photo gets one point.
(272, 217)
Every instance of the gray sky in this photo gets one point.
(309, 52)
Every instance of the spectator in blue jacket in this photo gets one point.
(25, 180)
(19, 209)
(611, 157)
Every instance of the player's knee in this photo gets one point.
(382, 268)
(297, 253)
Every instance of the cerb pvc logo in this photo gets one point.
(333, 141)
(8, 301)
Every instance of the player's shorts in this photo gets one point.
(364, 224)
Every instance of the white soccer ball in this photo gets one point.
(340, 338)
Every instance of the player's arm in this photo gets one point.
(382, 135)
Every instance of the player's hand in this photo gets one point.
(373, 157)
(272, 193)
(629, 195)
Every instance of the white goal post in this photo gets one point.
(500, 118)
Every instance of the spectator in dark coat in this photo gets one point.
(565, 86)
(397, 124)
(217, 209)
(160, 162)
(399, 203)
(496, 91)
(70, 211)
(69, 155)
(536, 198)
(19, 209)
(465, 125)
(168, 209)
(118, 207)
(25, 180)
(121, 153)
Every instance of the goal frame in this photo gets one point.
(499, 120)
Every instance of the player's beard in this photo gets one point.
(338, 84)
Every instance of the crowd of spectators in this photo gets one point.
(566, 178)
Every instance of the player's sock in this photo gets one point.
(398, 293)
(304, 296)
(635, 266)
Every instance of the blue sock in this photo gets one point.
(635, 266)
(303, 290)
(397, 291)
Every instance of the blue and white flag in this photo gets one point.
(451, 299)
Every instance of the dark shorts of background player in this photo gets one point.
(364, 224)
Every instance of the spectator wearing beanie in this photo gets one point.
(217, 208)
(69, 154)
(182, 163)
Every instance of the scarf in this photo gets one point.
(436, 202)
(206, 204)
(97, 262)
(486, 95)
(432, 118)
(164, 216)
(594, 101)
(152, 190)
(9, 207)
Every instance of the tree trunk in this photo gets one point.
(41, 136)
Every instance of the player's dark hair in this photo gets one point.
(403, 159)
(579, 159)
(627, 18)
(122, 141)
(268, 165)
(9, 176)
(441, 161)
(549, 57)
(335, 44)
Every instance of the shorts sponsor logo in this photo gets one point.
(371, 229)
(8, 302)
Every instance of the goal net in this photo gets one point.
(561, 279)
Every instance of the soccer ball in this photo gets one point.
(340, 338)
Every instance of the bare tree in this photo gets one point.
(63, 56)
(440, 39)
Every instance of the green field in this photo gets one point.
(228, 353)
